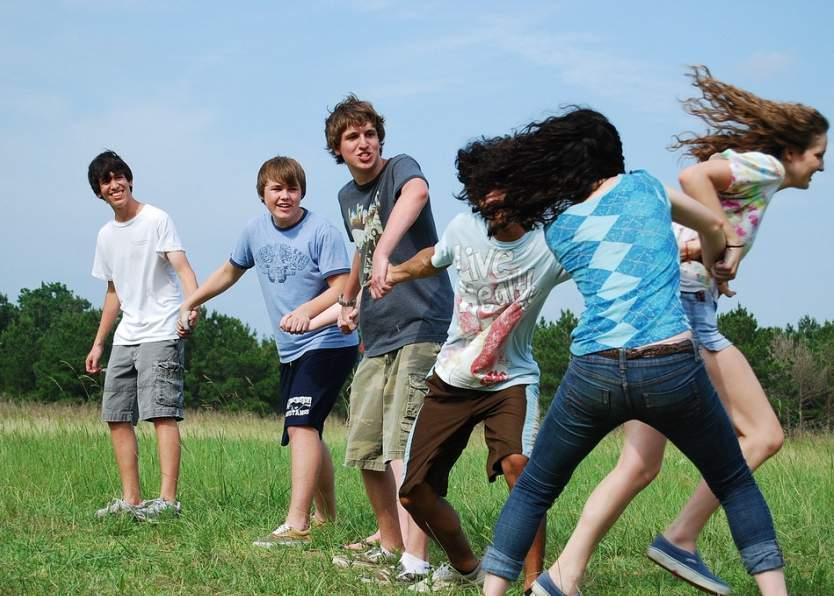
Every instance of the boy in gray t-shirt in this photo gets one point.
(387, 213)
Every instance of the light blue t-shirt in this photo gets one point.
(621, 252)
(500, 291)
(293, 266)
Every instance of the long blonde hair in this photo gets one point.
(737, 119)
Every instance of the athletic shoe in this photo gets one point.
(151, 511)
(545, 586)
(284, 535)
(686, 565)
(117, 507)
(396, 575)
(373, 557)
(447, 577)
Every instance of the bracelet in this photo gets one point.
(686, 251)
(734, 246)
(343, 302)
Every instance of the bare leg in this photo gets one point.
(305, 466)
(168, 445)
(126, 451)
(771, 583)
(512, 466)
(381, 490)
(437, 518)
(325, 497)
(495, 586)
(415, 540)
(759, 433)
(639, 463)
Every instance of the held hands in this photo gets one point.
(187, 321)
(724, 289)
(348, 319)
(92, 363)
(726, 268)
(379, 276)
(296, 322)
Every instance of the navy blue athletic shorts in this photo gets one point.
(310, 385)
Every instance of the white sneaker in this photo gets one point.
(446, 577)
(152, 510)
(117, 507)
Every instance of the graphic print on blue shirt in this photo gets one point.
(621, 252)
(280, 261)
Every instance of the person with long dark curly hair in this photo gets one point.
(752, 148)
(633, 353)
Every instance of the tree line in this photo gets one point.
(46, 334)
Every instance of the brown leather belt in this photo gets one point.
(681, 347)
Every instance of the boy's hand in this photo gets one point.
(296, 322)
(348, 319)
(379, 276)
(91, 364)
(186, 321)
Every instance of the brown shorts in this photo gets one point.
(445, 422)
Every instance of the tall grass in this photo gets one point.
(56, 468)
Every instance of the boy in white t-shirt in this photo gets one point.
(140, 256)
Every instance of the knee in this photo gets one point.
(413, 498)
(638, 473)
(772, 442)
(512, 466)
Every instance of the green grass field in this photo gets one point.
(56, 468)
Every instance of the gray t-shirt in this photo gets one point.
(417, 311)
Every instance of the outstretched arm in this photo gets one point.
(217, 283)
(413, 197)
(347, 318)
(109, 313)
(416, 267)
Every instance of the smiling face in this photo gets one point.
(116, 191)
(361, 150)
(283, 201)
(800, 166)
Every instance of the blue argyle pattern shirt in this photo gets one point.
(621, 252)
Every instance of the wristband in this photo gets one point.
(342, 302)
(733, 246)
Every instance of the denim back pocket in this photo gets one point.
(684, 398)
(584, 397)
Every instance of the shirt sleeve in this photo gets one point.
(332, 254)
(404, 170)
(101, 268)
(444, 250)
(242, 256)
(752, 168)
(167, 238)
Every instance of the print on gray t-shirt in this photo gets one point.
(417, 311)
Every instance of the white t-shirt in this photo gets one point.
(500, 291)
(131, 254)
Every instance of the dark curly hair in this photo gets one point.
(543, 169)
(737, 119)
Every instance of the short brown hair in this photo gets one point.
(282, 169)
(351, 111)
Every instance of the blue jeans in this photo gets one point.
(670, 393)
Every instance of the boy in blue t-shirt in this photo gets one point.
(302, 264)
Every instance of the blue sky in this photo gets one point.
(195, 96)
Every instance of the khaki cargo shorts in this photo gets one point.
(385, 396)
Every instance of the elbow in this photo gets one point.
(687, 176)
